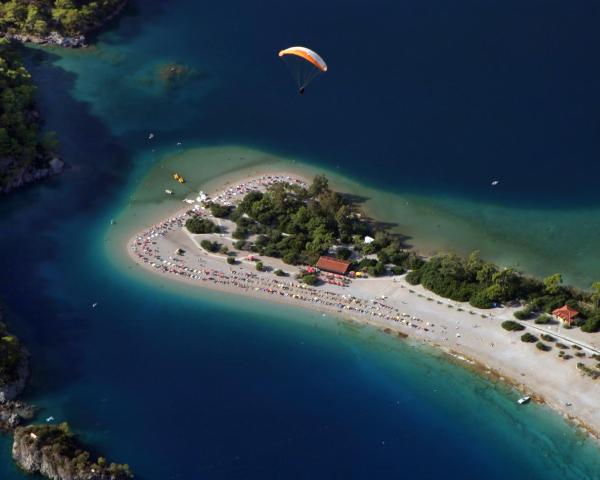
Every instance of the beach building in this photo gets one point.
(565, 313)
(333, 265)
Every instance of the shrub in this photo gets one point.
(310, 279)
(240, 245)
(562, 346)
(231, 261)
(344, 253)
(414, 277)
(396, 270)
(547, 338)
(512, 326)
(220, 211)
(280, 273)
(481, 299)
(592, 324)
(223, 249)
(524, 314)
(528, 338)
(543, 319)
(543, 347)
(210, 246)
(199, 225)
(260, 266)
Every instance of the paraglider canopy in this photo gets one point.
(304, 64)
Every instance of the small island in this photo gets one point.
(279, 237)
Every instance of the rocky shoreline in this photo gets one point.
(48, 449)
(26, 174)
(54, 452)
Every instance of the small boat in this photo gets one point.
(169, 192)
(94, 305)
(151, 136)
(523, 400)
(49, 419)
(495, 182)
(181, 180)
(176, 176)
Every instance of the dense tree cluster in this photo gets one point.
(20, 143)
(198, 225)
(11, 356)
(68, 17)
(299, 224)
(483, 285)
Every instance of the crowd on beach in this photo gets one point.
(150, 249)
(232, 195)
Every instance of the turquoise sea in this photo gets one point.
(423, 106)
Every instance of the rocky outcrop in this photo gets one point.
(12, 414)
(23, 174)
(53, 38)
(11, 388)
(53, 451)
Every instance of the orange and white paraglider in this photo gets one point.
(304, 64)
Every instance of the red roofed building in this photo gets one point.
(565, 313)
(333, 265)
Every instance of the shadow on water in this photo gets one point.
(38, 227)
(135, 24)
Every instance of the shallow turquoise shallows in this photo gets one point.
(423, 106)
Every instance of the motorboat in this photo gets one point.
(523, 400)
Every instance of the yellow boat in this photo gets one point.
(176, 176)
(181, 180)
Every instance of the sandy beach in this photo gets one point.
(470, 335)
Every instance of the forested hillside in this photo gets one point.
(67, 17)
(24, 154)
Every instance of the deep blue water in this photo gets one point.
(192, 385)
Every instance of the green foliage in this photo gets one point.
(547, 338)
(210, 246)
(68, 17)
(295, 224)
(260, 266)
(343, 253)
(231, 260)
(200, 225)
(396, 270)
(280, 273)
(414, 277)
(220, 211)
(543, 347)
(524, 314)
(528, 338)
(512, 326)
(20, 141)
(592, 324)
(553, 283)
(543, 319)
(60, 441)
(310, 279)
(11, 356)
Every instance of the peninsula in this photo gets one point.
(279, 237)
